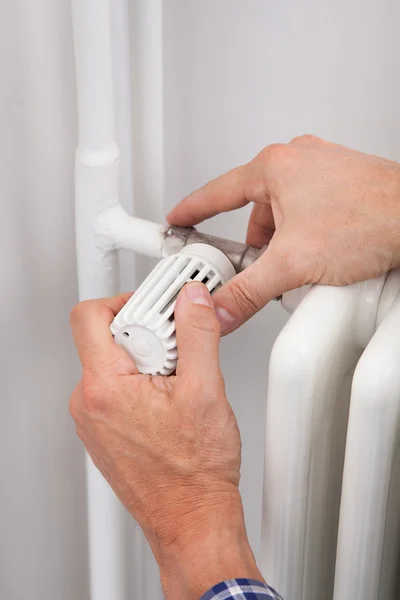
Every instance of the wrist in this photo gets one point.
(210, 547)
(214, 557)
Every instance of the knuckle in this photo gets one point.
(309, 137)
(284, 259)
(79, 433)
(302, 263)
(93, 397)
(273, 150)
(80, 310)
(277, 153)
(306, 139)
(287, 264)
(202, 318)
(213, 328)
(316, 255)
(74, 405)
(247, 300)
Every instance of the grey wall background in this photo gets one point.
(238, 74)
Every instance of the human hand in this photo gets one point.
(168, 446)
(330, 215)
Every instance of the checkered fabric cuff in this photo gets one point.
(241, 589)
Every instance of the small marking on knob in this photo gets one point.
(141, 347)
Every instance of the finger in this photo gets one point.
(255, 182)
(90, 322)
(273, 274)
(198, 335)
(220, 195)
(261, 226)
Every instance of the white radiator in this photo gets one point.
(331, 506)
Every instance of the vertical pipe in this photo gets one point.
(121, 41)
(93, 60)
(97, 163)
(309, 387)
(369, 529)
(148, 171)
(148, 100)
(312, 363)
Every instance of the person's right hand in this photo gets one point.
(330, 215)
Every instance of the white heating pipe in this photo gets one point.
(98, 154)
(97, 190)
(114, 228)
(369, 530)
(101, 228)
(149, 158)
(312, 363)
(148, 104)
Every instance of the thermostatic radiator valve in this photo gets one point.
(145, 327)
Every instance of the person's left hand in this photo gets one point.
(168, 446)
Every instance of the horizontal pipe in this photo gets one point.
(115, 229)
(240, 255)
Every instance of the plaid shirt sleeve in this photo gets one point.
(241, 589)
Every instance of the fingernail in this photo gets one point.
(197, 293)
(226, 320)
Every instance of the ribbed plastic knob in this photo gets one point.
(145, 327)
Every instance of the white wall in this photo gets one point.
(237, 75)
(42, 500)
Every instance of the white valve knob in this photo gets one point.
(145, 327)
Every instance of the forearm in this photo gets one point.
(209, 551)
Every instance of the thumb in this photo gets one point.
(197, 334)
(273, 274)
